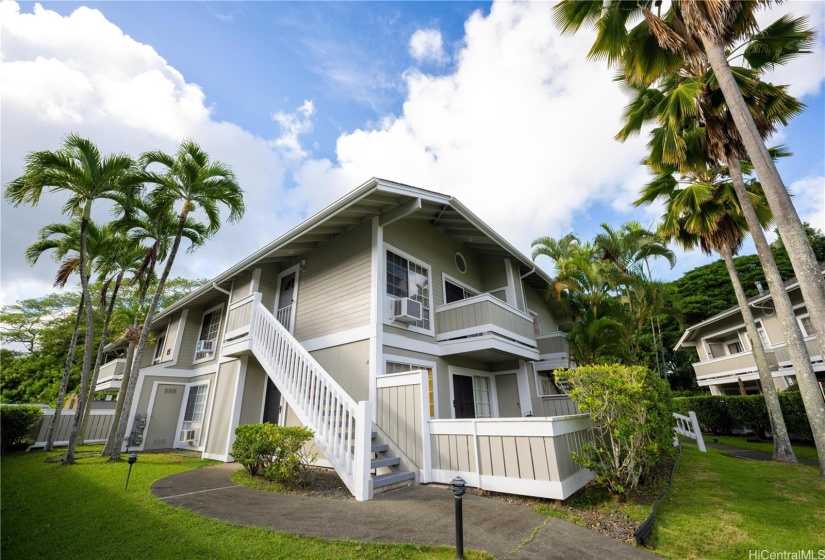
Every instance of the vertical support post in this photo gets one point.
(697, 433)
(426, 468)
(363, 444)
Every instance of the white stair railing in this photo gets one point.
(342, 426)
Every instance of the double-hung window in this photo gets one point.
(454, 292)
(208, 337)
(193, 413)
(408, 279)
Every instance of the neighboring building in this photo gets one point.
(726, 362)
(414, 340)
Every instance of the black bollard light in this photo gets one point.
(132, 461)
(459, 487)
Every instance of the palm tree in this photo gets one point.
(64, 240)
(706, 213)
(159, 230)
(196, 183)
(79, 170)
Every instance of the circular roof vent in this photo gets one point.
(460, 263)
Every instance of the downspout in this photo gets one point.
(523, 276)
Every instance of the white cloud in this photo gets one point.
(81, 74)
(427, 45)
(809, 199)
(294, 125)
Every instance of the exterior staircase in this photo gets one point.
(343, 427)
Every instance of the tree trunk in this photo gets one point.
(64, 382)
(787, 220)
(99, 358)
(782, 450)
(144, 335)
(801, 360)
(87, 345)
(121, 396)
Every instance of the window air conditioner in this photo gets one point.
(407, 310)
(188, 435)
(205, 346)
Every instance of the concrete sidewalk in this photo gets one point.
(419, 515)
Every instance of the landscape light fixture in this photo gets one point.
(132, 461)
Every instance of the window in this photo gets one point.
(807, 325)
(549, 385)
(454, 292)
(734, 347)
(763, 334)
(397, 367)
(195, 407)
(481, 394)
(161, 342)
(208, 337)
(406, 279)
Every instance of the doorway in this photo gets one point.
(287, 294)
(508, 396)
(272, 403)
(463, 396)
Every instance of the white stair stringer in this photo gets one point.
(317, 400)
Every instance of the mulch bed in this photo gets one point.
(319, 483)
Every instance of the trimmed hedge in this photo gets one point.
(274, 451)
(721, 414)
(15, 422)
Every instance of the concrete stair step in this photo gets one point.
(385, 462)
(394, 477)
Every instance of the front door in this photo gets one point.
(508, 399)
(163, 420)
(285, 306)
(463, 396)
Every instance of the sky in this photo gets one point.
(306, 101)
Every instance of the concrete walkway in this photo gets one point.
(419, 515)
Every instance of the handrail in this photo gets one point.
(317, 399)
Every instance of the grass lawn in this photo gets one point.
(719, 507)
(801, 451)
(83, 511)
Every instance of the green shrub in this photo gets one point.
(633, 412)
(720, 414)
(15, 422)
(271, 450)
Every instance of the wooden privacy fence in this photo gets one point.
(97, 429)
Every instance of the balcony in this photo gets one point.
(553, 351)
(485, 328)
(110, 377)
(783, 356)
(726, 369)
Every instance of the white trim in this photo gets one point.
(149, 410)
(296, 268)
(356, 334)
(179, 337)
(805, 334)
(463, 334)
(422, 264)
(397, 340)
(216, 457)
(255, 286)
(237, 403)
(447, 278)
(158, 359)
(218, 339)
(460, 346)
(375, 329)
(523, 384)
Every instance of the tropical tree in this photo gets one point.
(195, 183)
(157, 230)
(706, 213)
(79, 170)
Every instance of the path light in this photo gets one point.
(132, 461)
(459, 488)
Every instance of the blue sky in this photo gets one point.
(308, 100)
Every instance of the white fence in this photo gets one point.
(688, 426)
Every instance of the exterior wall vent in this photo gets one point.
(460, 263)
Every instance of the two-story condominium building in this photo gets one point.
(414, 340)
(726, 362)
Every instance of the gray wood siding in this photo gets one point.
(334, 288)
(348, 364)
(171, 336)
(552, 345)
(253, 391)
(399, 415)
(239, 317)
(453, 453)
(530, 458)
(242, 286)
(519, 287)
(97, 428)
(558, 406)
(269, 285)
(772, 325)
(221, 411)
(537, 303)
(481, 313)
(493, 275)
(433, 248)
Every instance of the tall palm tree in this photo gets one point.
(63, 239)
(190, 179)
(706, 213)
(158, 230)
(79, 170)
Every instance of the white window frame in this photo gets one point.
(805, 332)
(214, 354)
(539, 390)
(760, 328)
(201, 438)
(431, 312)
(466, 372)
(447, 278)
(160, 345)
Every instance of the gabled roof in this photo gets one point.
(765, 296)
(378, 197)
